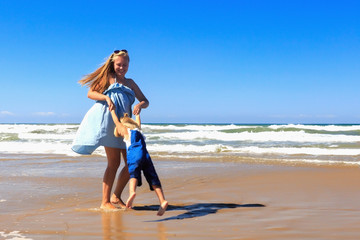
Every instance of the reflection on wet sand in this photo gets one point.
(114, 228)
(112, 225)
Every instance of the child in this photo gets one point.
(138, 159)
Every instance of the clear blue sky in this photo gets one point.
(196, 61)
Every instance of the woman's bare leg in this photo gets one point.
(121, 183)
(113, 158)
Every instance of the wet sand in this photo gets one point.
(207, 201)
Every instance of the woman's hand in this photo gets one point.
(137, 109)
(110, 104)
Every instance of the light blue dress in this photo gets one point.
(97, 127)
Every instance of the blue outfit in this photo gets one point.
(139, 159)
(97, 127)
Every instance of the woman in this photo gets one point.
(112, 91)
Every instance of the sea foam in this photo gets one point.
(14, 235)
(340, 142)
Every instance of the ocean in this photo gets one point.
(269, 143)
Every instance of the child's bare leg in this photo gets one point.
(132, 192)
(163, 203)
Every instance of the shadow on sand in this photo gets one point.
(195, 210)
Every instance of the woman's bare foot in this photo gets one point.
(130, 200)
(162, 208)
(115, 200)
(107, 206)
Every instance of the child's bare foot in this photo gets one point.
(162, 208)
(130, 200)
(115, 200)
(107, 206)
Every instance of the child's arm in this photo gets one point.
(138, 120)
(122, 131)
(115, 118)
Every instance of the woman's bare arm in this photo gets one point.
(94, 95)
(143, 101)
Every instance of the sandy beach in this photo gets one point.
(208, 200)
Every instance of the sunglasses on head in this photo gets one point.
(118, 51)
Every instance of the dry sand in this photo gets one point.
(207, 201)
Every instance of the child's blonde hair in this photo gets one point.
(129, 122)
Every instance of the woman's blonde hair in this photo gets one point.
(99, 79)
(129, 122)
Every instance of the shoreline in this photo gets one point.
(251, 160)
